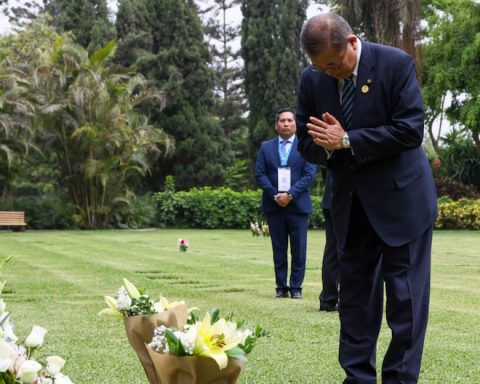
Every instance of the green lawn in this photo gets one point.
(57, 280)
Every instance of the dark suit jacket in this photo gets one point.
(302, 175)
(327, 189)
(388, 170)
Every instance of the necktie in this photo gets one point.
(348, 93)
(283, 152)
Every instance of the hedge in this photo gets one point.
(216, 208)
(213, 208)
(459, 214)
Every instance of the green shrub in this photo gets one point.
(46, 212)
(216, 208)
(460, 158)
(140, 212)
(208, 208)
(460, 214)
(446, 186)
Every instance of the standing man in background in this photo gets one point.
(360, 113)
(329, 295)
(285, 178)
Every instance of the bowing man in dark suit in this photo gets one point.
(360, 112)
(285, 178)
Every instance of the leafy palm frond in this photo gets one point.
(99, 57)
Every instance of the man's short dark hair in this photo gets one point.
(323, 31)
(281, 110)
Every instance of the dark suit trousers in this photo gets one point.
(366, 266)
(329, 294)
(284, 225)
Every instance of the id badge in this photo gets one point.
(284, 179)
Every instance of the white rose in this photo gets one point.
(29, 371)
(36, 337)
(62, 379)
(54, 365)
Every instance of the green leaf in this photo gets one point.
(237, 353)
(174, 344)
(215, 315)
(260, 332)
(4, 317)
(193, 318)
(103, 54)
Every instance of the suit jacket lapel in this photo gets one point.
(293, 151)
(274, 149)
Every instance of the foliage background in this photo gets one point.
(78, 149)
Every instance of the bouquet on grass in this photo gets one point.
(182, 245)
(141, 315)
(17, 364)
(208, 351)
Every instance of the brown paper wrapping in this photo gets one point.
(140, 329)
(193, 370)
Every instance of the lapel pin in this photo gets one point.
(366, 87)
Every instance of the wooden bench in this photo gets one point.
(14, 219)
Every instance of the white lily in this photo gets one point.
(111, 310)
(133, 292)
(163, 304)
(212, 341)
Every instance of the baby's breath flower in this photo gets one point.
(123, 300)
(159, 341)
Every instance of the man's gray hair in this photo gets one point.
(323, 31)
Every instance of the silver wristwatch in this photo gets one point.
(345, 141)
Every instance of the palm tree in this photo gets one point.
(16, 132)
(85, 111)
(90, 119)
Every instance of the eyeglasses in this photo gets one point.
(333, 65)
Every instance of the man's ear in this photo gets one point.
(352, 39)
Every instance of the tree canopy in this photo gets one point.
(452, 55)
(181, 71)
(272, 60)
(85, 111)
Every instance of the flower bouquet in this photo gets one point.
(141, 316)
(182, 245)
(211, 351)
(17, 365)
